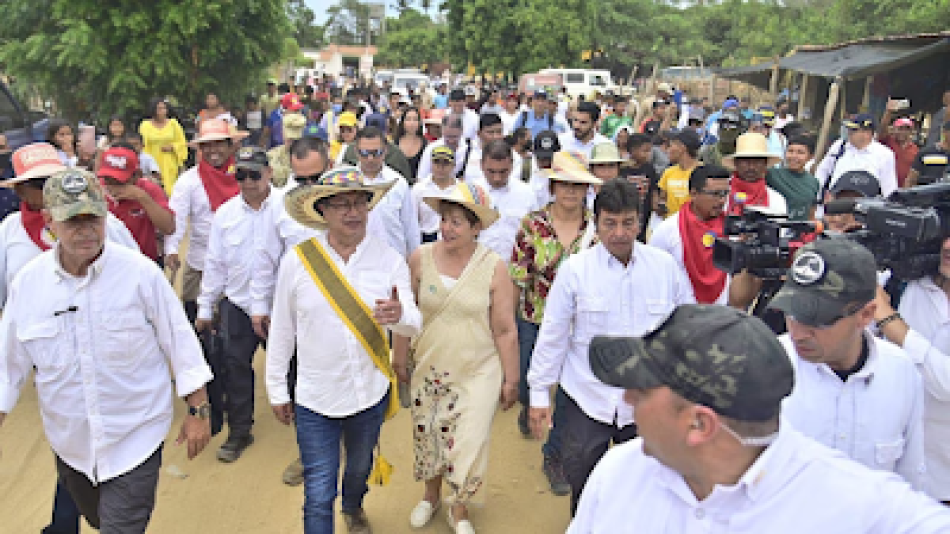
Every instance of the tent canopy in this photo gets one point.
(759, 75)
(858, 59)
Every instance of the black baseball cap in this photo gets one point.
(689, 138)
(251, 158)
(546, 144)
(829, 279)
(861, 182)
(715, 356)
(456, 95)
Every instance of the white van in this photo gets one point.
(583, 81)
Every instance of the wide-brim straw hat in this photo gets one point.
(571, 167)
(293, 125)
(469, 196)
(301, 201)
(604, 153)
(751, 145)
(216, 130)
(38, 160)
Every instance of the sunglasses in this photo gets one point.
(244, 174)
(718, 193)
(371, 153)
(308, 180)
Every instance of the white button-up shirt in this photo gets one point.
(594, 294)
(875, 418)
(473, 170)
(190, 203)
(569, 143)
(395, 219)
(429, 219)
(666, 236)
(280, 233)
(336, 377)
(17, 248)
(876, 158)
(796, 485)
(237, 231)
(513, 202)
(101, 345)
(925, 309)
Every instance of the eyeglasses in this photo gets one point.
(345, 207)
(718, 193)
(244, 174)
(378, 153)
(309, 179)
(446, 162)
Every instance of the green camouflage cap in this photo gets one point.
(829, 279)
(74, 192)
(711, 355)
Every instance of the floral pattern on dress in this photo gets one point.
(435, 417)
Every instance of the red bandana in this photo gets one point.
(756, 194)
(220, 184)
(34, 225)
(698, 238)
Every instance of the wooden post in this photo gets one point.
(843, 90)
(773, 83)
(803, 99)
(866, 101)
(828, 117)
(712, 89)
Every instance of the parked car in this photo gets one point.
(21, 127)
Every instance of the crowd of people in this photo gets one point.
(466, 249)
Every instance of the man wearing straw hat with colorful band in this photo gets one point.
(335, 295)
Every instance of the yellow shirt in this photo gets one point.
(675, 183)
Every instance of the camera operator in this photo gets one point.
(922, 328)
(853, 392)
(852, 184)
(931, 164)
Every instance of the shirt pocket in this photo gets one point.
(42, 341)
(591, 318)
(124, 338)
(887, 454)
(656, 311)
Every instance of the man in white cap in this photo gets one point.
(337, 296)
(97, 326)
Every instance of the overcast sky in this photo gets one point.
(319, 7)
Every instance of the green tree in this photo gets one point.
(111, 58)
(306, 31)
(412, 39)
(348, 22)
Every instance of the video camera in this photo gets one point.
(904, 232)
(761, 243)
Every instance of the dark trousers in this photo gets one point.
(239, 343)
(211, 348)
(65, 513)
(527, 337)
(122, 505)
(585, 442)
(319, 438)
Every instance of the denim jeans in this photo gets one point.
(65, 513)
(319, 437)
(527, 337)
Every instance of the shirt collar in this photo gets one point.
(94, 269)
(264, 204)
(866, 372)
(608, 260)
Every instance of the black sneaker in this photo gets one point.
(232, 449)
(555, 472)
(357, 523)
(523, 424)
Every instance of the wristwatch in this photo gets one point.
(202, 411)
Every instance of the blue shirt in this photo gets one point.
(440, 101)
(276, 124)
(539, 124)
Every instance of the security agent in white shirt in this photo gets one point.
(341, 396)
(859, 152)
(853, 392)
(922, 328)
(452, 138)
(713, 455)
(100, 324)
(489, 129)
(395, 218)
(235, 230)
(613, 288)
(510, 196)
(583, 135)
(457, 106)
(441, 181)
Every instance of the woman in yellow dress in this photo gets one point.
(164, 140)
(466, 356)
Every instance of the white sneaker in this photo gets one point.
(422, 513)
(461, 527)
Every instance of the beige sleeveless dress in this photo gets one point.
(458, 375)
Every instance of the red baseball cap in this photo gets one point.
(290, 102)
(35, 161)
(118, 163)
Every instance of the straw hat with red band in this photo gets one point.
(469, 196)
(118, 163)
(216, 130)
(39, 160)
(301, 201)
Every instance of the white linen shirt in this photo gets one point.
(875, 418)
(876, 158)
(569, 143)
(795, 486)
(237, 229)
(924, 307)
(189, 202)
(395, 218)
(17, 248)
(666, 236)
(280, 234)
(336, 377)
(473, 171)
(594, 294)
(429, 219)
(101, 345)
(513, 202)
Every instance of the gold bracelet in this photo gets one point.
(889, 319)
